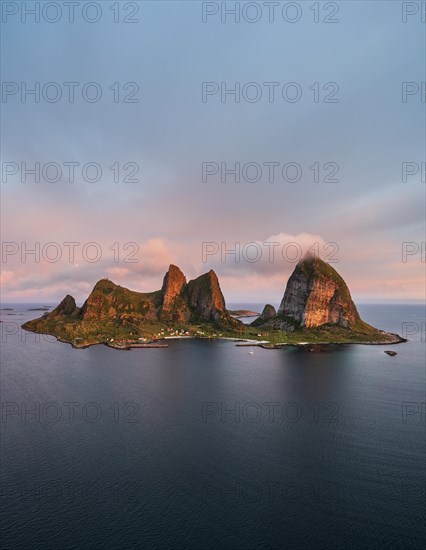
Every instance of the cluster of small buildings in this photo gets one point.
(173, 332)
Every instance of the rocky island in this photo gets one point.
(317, 308)
(241, 313)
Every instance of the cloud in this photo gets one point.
(6, 277)
(248, 270)
(275, 255)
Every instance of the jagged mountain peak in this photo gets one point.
(66, 307)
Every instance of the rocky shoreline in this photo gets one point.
(240, 342)
(242, 313)
(397, 340)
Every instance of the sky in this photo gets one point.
(330, 157)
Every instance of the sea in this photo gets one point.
(203, 445)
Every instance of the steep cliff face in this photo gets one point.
(206, 301)
(317, 295)
(174, 306)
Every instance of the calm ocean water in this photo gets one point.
(202, 445)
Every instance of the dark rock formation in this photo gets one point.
(66, 307)
(268, 313)
(206, 301)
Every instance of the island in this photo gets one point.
(316, 308)
(241, 313)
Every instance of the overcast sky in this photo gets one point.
(343, 118)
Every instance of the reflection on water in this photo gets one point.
(203, 445)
